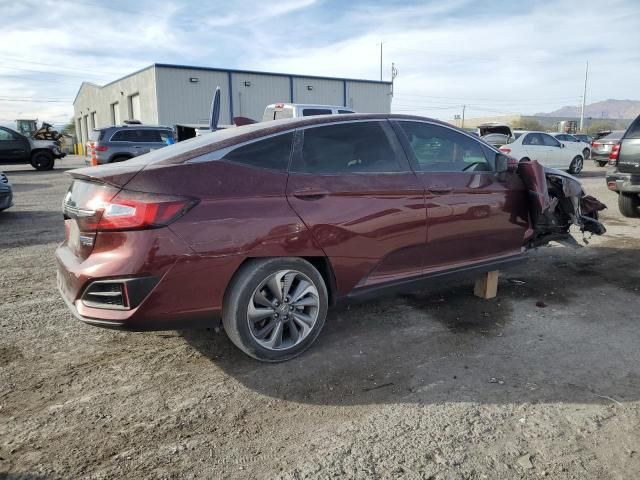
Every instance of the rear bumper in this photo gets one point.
(599, 157)
(622, 182)
(189, 292)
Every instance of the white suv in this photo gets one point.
(276, 111)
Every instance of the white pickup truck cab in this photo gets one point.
(276, 111)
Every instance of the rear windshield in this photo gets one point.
(615, 135)
(96, 135)
(271, 113)
(634, 129)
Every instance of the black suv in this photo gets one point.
(119, 143)
(17, 148)
(623, 176)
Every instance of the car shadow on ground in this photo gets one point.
(540, 340)
(592, 174)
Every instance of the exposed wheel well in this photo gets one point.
(120, 158)
(321, 264)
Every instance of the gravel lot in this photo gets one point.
(542, 381)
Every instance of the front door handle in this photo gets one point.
(310, 193)
(440, 189)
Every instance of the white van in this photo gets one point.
(276, 111)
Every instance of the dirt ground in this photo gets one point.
(543, 381)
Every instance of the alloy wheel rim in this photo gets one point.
(283, 310)
(578, 165)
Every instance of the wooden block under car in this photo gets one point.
(487, 285)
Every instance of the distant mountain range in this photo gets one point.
(605, 109)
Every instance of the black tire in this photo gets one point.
(586, 153)
(42, 161)
(525, 159)
(576, 165)
(599, 163)
(241, 292)
(119, 158)
(628, 203)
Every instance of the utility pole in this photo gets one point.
(394, 74)
(381, 60)
(464, 107)
(584, 97)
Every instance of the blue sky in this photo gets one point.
(495, 56)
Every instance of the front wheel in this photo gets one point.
(275, 308)
(586, 153)
(42, 161)
(576, 165)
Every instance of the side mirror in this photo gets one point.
(505, 164)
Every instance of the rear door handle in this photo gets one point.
(440, 189)
(310, 193)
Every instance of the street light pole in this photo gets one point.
(464, 107)
(584, 97)
(381, 60)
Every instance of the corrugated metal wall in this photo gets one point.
(92, 98)
(366, 97)
(315, 90)
(253, 92)
(181, 100)
(168, 95)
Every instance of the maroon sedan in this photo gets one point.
(267, 225)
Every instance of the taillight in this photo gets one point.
(613, 155)
(103, 208)
(100, 148)
(505, 150)
(596, 145)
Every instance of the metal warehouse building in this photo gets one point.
(170, 94)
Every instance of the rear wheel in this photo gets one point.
(120, 158)
(576, 165)
(599, 163)
(275, 308)
(525, 159)
(628, 203)
(42, 161)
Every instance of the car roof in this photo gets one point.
(136, 125)
(228, 137)
(308, 105)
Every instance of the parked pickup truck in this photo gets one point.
(17, 148)
(623, 176)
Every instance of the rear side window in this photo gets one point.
(441, 149)
(549, 141)
(360, 147)
(272, 153)
(309, 112)
(634, 129)
(345, 111)
(137, 135)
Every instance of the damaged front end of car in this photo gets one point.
(558, 201)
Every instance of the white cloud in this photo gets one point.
(494, 57)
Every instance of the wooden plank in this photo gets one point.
(487, 285)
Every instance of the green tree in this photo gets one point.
(531, 124)
(69, 128)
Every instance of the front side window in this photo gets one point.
(310, 112)
(533, 139)
(272, 153)
(359, 147)
(549, 141)
(440, 149)
(6, 136)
